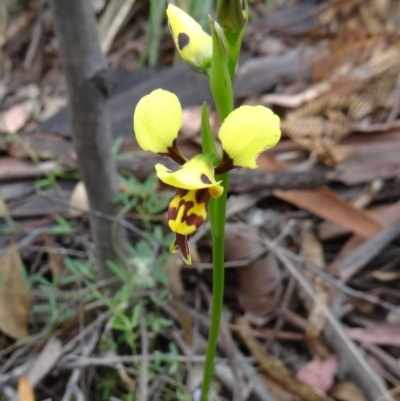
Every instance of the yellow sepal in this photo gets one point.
(197, 173)
(194, 45)
(246, 132)
(157, 120)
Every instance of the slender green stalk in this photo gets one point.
(221, 79)
(217, 217)
(217, 211)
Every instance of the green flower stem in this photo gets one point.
(217, 211)
(221, 78)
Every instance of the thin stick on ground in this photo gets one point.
(361, 371)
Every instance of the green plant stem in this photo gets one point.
(217, 217)
(217, 211)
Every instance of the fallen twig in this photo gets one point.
(358, 368)
(275, 368)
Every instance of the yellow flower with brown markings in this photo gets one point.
(244, 134)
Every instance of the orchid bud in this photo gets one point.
(194, 45)
(232, 15)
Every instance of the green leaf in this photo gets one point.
(220, 80)
(63, 226)
(234, 44)
(207, 138)
(117, 145)
(153, 29)
(137, 310)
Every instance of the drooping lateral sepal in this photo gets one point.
(156, 121)
(193, 44)
(245, 133)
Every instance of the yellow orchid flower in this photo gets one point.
(188, 209)
(244, 134)
(194, 45)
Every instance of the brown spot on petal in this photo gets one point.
(191, 219)
(182, 192)
(173, 211)
(194, 220)
(183, 40)
(202, 195)
(205, 179)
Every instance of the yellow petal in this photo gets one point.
(246, 132)
(193, 44)
(157, 120)
(197, 173)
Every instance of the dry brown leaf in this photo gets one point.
(25, 390)
(278, 391)
(172, 269)
(275, 368)
(382, 334)
(44, 362)
(260, 280)
(78, 202)
(324, 203)
(347, 391)
(185, 319)
(56, 262)
(15, 300)
(45, 145)
(383, 214)
(319, 373)
(313, 252)
(13, 119)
